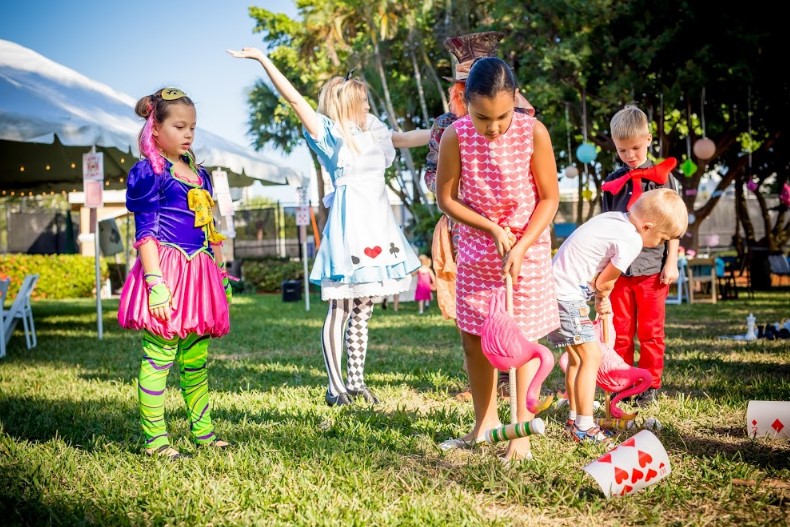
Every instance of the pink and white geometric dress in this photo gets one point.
(496, 182)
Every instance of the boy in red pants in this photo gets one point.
(639, 295)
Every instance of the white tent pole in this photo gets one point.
(94, 221)
(95, 228)
(303, 235)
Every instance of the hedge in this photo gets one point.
(267, 274)
(61, 275)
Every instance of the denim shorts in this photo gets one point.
(575, 325)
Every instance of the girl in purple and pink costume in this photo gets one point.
(177, 291)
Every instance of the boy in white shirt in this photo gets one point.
(587, 265)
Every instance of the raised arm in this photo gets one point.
(303, 110)
(411, 139)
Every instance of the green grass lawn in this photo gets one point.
(71, 447)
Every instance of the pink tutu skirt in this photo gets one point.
(198, 305)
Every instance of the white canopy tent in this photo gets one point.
(50, 115)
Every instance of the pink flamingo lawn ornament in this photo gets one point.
(614, 374)
(506, 348)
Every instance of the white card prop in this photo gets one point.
(768, 419)
(93, 166)
(303, 207)
(93, 179)
(222, 192)
(634, 464)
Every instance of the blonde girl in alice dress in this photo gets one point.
(363, 252)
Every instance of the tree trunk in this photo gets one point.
(323, 213)
(435, 78)
(420, 91)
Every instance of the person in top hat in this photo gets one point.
(464, 50)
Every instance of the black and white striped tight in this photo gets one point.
(346, 318)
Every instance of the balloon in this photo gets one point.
(586, 153)
(704, 149)
(571, 171)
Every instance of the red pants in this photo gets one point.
(639, 304)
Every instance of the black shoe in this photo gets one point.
(365, 393)
(647, 397)
(337, 400)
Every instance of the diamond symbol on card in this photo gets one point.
(777, 425)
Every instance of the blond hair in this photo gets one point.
(341, 100)
(628, 123)
(664, 208)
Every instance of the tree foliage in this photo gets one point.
(696, 71)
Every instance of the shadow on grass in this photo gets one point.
(36, 508)
(733, 445)
(81, 424)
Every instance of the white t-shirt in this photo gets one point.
(607, 237)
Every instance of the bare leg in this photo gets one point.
(591, 355)
(570, 378)
(520, 448)
(482, 379)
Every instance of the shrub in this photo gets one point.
(61, 275)
(267, 274)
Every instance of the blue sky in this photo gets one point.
(136, 47)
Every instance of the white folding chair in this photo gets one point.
(3, 293)
(21, 310)
(682, 285)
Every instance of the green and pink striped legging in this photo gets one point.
(159, 354)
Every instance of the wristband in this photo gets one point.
(153, 279)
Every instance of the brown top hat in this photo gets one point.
(466, 48)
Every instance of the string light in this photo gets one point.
(21, 169)
(47, 167)
(73, 165)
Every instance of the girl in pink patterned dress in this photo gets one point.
(498, 179)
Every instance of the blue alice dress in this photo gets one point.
(363, 251)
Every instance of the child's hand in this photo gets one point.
(511, 263)
(603, 306)
(247, 53)
(159, 299)
(669, 274)
(503, 239)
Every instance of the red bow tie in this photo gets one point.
(657, 174)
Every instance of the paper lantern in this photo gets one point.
(571, 171)
(704, 149)
(586, 153)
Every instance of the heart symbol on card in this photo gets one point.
(629, 442)
(650, 474)
(626, 490)
(636, 475)
(620, 475)
(372, 252)
(606, 458)
(644, 458)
